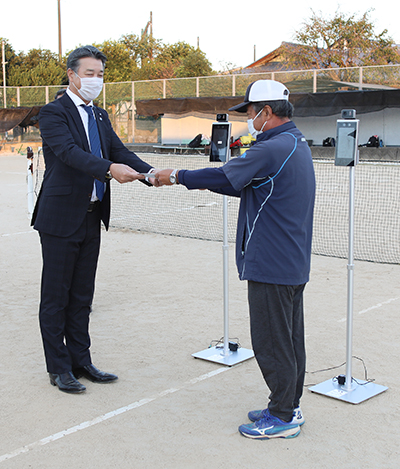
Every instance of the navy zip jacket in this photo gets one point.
(276, 184)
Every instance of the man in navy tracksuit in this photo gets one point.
(276, 185)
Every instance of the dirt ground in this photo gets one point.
(158, 300)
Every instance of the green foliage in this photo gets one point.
(153, 60)
(341, 41)
(119, 66)
(194, 64)
(131, 58)
(142, 49)
(37, 67)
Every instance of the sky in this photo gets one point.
(227, 31)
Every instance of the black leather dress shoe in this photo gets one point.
(91, 373)
(66, 382)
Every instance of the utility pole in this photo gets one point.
(59, 31)
(145, 34)
(3, 56)
(151, 25)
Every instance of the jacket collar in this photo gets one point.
(275, 131)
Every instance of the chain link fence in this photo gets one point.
(119, 98)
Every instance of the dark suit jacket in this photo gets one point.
(71, 168)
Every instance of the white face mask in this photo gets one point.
(250, 124)
(90, 88)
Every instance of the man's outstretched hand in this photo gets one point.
(123, 173)
(162, 176)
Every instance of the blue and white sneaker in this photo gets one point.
(269, 427)
(298, 417)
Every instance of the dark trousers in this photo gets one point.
(67, 288)
(277, 333)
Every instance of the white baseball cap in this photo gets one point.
(262, 90)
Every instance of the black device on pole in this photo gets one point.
(220, 139)
(346, 153)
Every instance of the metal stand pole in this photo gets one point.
(351, 391)
(350, 285)
(225, 260)
(214, 354)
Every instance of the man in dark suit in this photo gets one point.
(82, 153)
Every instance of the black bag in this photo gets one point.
(373, 141)
(328, 142)
(196, 142)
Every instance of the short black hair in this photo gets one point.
(82, 52)
(281, 107)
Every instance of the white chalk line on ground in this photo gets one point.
(19, 233)
(379, 305)
(108, 415)
(14, 172)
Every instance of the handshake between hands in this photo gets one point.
(123, 173)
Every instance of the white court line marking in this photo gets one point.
(13, 172)
(373, 307)
(108, 415)
(19, 233)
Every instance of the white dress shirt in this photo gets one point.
(85, 120)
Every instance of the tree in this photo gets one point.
(37, 67)
(131, 58)
(119, 66)
(154, 60)
(142, 49)
(146, 58)
(194, 64)
(341, 41)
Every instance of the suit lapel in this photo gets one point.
(71, 109)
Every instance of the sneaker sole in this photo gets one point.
(292, 433)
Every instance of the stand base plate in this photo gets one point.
(360, 391)
(216, 355)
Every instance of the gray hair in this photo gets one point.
(82, 52)
(281, 108)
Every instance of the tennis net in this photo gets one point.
(198, 214)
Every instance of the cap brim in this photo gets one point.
(242, 107)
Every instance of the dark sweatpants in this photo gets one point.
(277, 333)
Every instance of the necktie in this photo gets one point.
(95, 147)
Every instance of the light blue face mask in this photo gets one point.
(250, 124)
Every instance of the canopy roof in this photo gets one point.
(22, 116)
(306, 104)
